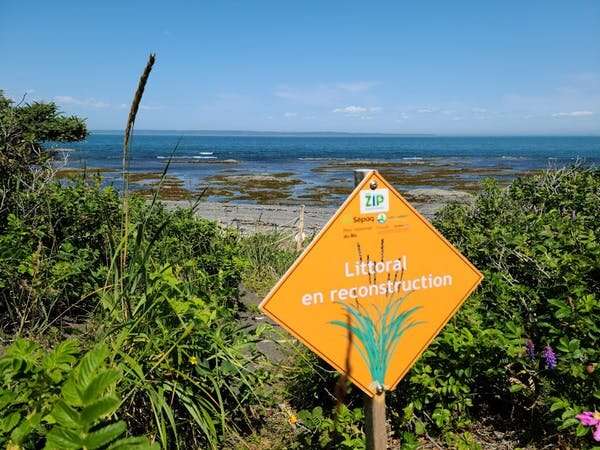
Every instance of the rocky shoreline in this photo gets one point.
(261, 217)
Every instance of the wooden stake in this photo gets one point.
(300, 236)
(375, 422)
(374, 407)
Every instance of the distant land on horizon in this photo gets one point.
(250, 133)
(265, 133)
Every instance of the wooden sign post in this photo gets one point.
(374, 407)
(371, 291)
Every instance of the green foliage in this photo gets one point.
(47, 400)
(160, 288)
(23, 129)
(87, 399)
(54, 252)
(342, 430)
(189, 360)
(31, 382)
(172, 309)
(184, 353)
(206, 254)
(268, 256)
(538, 247)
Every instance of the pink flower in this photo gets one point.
(591, 419)
(588, 418)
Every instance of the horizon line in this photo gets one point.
(344, 133)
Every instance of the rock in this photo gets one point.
(438, 195)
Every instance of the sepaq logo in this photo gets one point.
(356, 219)
(374, 201)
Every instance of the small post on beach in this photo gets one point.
(374, 407)
(300, 236)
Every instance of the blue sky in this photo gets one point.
(447, 67)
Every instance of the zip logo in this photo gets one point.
(374, 201)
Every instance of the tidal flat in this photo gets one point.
(263, 197)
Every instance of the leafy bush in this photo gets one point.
(159, 287)
(206, 254)
(341, 431)
(54, 253)
(180, 281)
(525, 347)
(23, 160)
(47, 400)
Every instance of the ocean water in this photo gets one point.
(321, 161)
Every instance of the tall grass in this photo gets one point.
(269, 255)
(186, 359)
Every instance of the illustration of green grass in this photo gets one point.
(379, 335)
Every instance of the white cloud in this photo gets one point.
(353, 110)
(324, 94)
(479, 110)
(290, 114)
(403, 116)
(574, 114)
(433, 110)
(89, 102)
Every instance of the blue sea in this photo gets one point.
(325, 160)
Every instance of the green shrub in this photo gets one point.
(48, 400)
(207, 254)
(170, 312)
(54, 252)
(341, 430)
(23, 159)
(538, 245)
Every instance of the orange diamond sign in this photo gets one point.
(374, 288)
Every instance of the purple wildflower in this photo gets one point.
(530, 349)
(549, 357)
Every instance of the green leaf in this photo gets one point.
(90, 364)
(66, 416)
(581, 430)
(568, 423)
(105, 435)
(6, 398)
(134, 443)
(61, 359)
(98, 410)
(61, 438)
(516, 388)
(70, 393)
(99, 384)
(19, 434)
(559, 404)
(9, 422)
